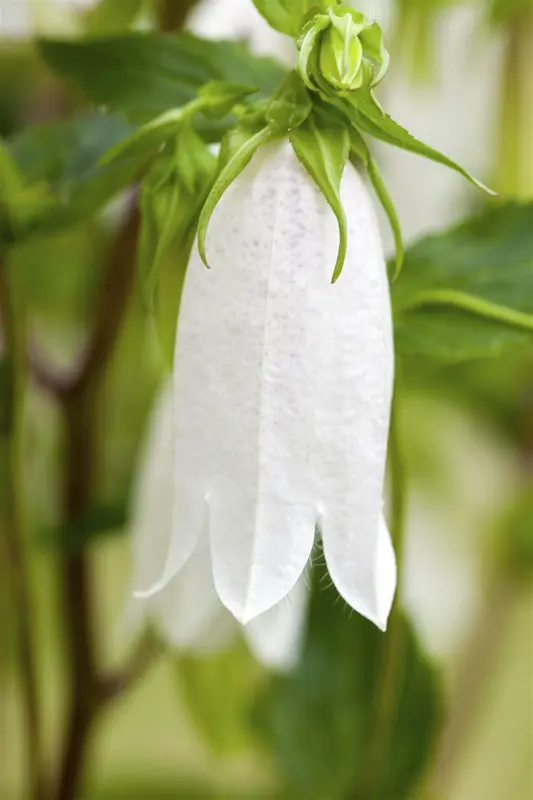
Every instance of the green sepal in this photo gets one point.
(360, 148)
(215, 99)
(291, 105)
(365, 114)
(306, 43)
(240, 158)
(219, 98)
(170, 199)
(374, 48)
(322, 145)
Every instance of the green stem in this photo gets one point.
(11, 439)
(473, 305)
(514, 170)
(79, 402)
(391, 669)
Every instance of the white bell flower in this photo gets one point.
(282, 394)
(188, 613)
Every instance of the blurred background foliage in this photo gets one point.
(76, 78)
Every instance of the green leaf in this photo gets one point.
(361, 149)
(230, 171)
(148, 138)
(323, 145)
(218, 691)
(100, 520)
(369, 117)
(291, 105)
(108, 16)
(215, 99)
(467, 293)
(145, 74)
(59, 163)
(321, 721)
(287, 16)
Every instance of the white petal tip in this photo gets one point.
(145, 594)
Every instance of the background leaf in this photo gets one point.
(489, 257)
(62, 160)
(320, 720)
(143, 75)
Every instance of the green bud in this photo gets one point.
(341, 54)
(341, 50)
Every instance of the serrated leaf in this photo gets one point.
(322, 145)
(59, 163)
(320, 721)
(144, 74)
(467, 293)
(367, 116)
(231, 170)
(361, 149)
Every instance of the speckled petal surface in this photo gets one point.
(282, 389)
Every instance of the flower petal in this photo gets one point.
(189, 612)
(282, 387)
(355, 359)
(244, 383)
(152, 496)
(276, 637)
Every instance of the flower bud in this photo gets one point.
(341, 50)
(341, 54)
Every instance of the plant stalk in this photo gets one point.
(14, 523)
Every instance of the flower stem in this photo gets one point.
(79, 403)
(391, 672)
(14, 533)
(514, 171)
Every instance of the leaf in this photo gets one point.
(230, 171)
(320, 721)
(60, 161)
(467, 293)
(368, 116)
(322, 145)
(286, 16)
(108, 16)
(100, 520)
(145, 74)
(218, 691)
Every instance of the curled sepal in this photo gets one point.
(237, 161)
(342, 51)
(366, 115)
(360, 149)
(322, 146)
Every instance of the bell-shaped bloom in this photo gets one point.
(282, 394)
(188, 613)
